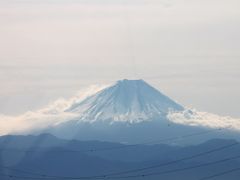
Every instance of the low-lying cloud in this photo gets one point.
(192, 117)
(55, 113)
(50, 116)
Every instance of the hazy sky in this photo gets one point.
(189, 49)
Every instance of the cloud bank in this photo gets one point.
(192, 117)
(55, 113)
(50, 116)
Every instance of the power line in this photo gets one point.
(180, 169)
(221, 174)
(26, 172)
(176, 161)
(105, 149)
(164, 172)
(116, 175)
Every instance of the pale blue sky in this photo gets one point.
(189, 49)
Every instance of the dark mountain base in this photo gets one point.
(24, 157)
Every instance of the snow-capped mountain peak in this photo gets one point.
(126, 100)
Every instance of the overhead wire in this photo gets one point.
(112, 175)
(179, 169)
(176, 161)
(220, 174)
(150, 174)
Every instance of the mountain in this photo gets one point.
(34, 157)
(129, 111)
(127, 100)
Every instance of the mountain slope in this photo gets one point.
(127, 100)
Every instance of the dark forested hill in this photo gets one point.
(47, 157)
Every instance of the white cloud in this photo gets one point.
(55, 113)
(51, 115)
(31, 121)
(61, 105)
(191, 117)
